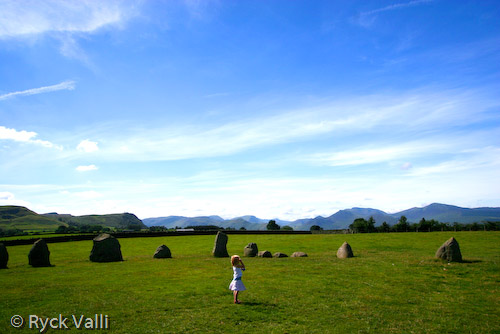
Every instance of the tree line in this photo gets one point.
(361, 225)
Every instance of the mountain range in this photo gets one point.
(340, 220)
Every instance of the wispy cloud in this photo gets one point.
(65, 85)
(395, 6)
(367, 18)
(25, 137)
(22, 18)
(398, 113)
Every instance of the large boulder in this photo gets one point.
(279, 254)
(345, 251)
(251, 250)
(220, 244)
(450, 251)
(264, 253)
(39, 254)
(4, 256)
(299, 254)
(162, 252)
(106, 249)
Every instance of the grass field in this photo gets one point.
(393, 285)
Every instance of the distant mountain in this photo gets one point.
(19, 217)
(118, 220)
(449, 214)
(342, 219)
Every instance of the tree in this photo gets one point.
(384, 227)
(402, 225)
(316, 228)
(370, 225)
(287, 228)
(359, 225)
(272, 226)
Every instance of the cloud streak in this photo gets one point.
(65, 85)
(395, 6)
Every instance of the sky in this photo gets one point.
(278, 109)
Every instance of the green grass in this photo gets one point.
(393, 285)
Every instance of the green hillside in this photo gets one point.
(119, 220)
(19, 217)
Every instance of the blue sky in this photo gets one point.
(280, 109)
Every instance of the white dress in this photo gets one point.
(236, 284)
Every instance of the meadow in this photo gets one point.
(392, 285)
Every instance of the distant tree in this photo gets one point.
(133, 227)
(157, 229)
(287, 228)
(272, 226)
(370, 225)
(316, 228)
(359, 225)
(384, 227)
(402, 225)
(243, 228)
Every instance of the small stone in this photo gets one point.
(450, 251)
(162, 252)
(265, 254)
(279, 254)
(39, 254)
(251, 250)
(299, 254)
(345, 251)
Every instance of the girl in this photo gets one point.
(236, 284)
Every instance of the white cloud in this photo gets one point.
(6, 196)
(86, 168)
(381, 153)
(25, 137)
(65, 85)
(32, 17)
(87, 146)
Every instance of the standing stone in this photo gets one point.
(4, 256)
(106, 249)
(251, 250)
(39, 254)
(279, 254)
(299, 254)
(265, 253)
(162, 252)
(220, 249)
(450, 251)
(345, 251)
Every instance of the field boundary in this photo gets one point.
(120, 235)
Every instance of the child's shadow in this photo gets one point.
(259, 304)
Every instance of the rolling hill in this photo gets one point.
(18, 217)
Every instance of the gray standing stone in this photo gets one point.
(162, 252)
(450, 251)
(264, 254)
(220, 244)
(251, 250)
(345, 251)
(4, 256)
(39, 254)
(279, 254)
(106, 248)
(299, 254)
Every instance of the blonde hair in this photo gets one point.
(234, 259)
